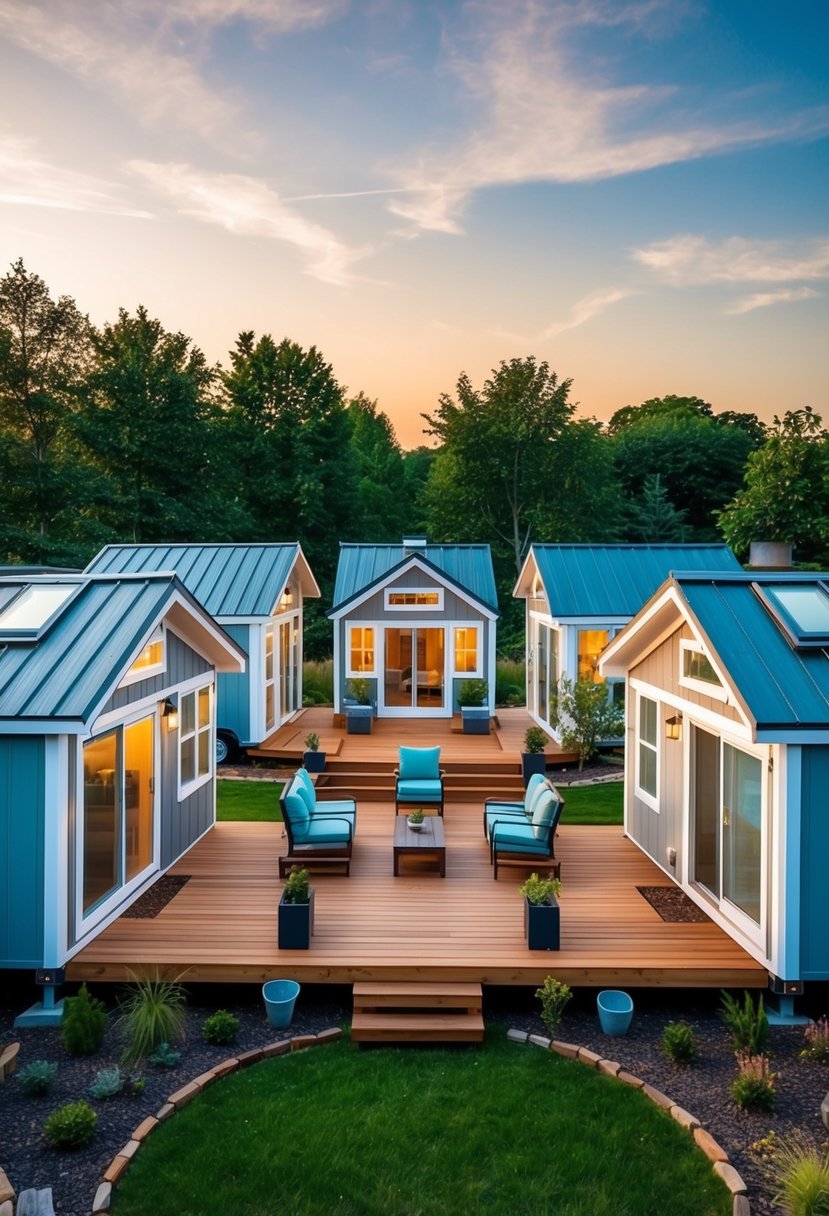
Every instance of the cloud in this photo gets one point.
(27, 180)
(764, 299)
(248, 207)
(691, 260)
(536, 119)
(581, 312)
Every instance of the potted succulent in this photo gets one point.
(415, 820)
(295, 913)
(312, 757)
(473, 696)
(533, 759)
(358, 708)
(542, 915)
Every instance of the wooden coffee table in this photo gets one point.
(428, 843)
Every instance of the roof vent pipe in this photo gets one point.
(414, 543)
(770, 555)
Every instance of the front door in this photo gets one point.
(414, 675)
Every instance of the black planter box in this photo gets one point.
(295, 924)
(542, 925)
(358, 719)
(532, 762)
(475, 719)
(314, 762)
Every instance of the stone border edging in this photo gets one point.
(715, 1153)
(123, 1158)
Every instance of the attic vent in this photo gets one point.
(414, 543)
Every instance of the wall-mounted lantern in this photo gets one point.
(169, 713)
(673, 727)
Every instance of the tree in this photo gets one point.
(659, 408)
(652, 518)
(585, 716)
(44, 356)
(785, 493)
(383, 508)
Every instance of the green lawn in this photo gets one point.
(593, 803)
(503, 1131)
(251, 800)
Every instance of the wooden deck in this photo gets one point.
(221, 927)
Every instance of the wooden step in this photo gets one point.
(377, 995)
(417, 1013)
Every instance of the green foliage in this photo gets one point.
(108, 1082)
(312, 741)
(753, 1088)
(585, 716)
(416, 816)
(297, 886)
(540, 890)
(164, 1056)
(83, 1023)
(249, 801)
(137, 1086)
(70, 1126)
(220, 1028)
(473, 693)
(553, 996)
(36, 1078)
(651, 517)
(679, 1043)
(359, 690)
(318, 682)
(383, 504)
(535, 740)
(510, 681)
(153, 1011)
(816, 1035)
(798, 1173)
(747, 1024)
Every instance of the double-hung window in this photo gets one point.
(195, 739)
(647, 751)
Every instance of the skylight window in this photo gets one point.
(30, 610)
(802, 609)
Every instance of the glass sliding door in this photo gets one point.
(101, 820)
(139, 739)
(288, 682)
(414, 674)
(542, 676)
(430, 668)
(742, 831)
(705, 801)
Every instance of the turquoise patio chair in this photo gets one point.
(419, 778)
(499, 808)
(316, 831)
(532, 842)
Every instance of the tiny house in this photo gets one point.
(727, 755)
(579, 596)
(414, 620)
(255, 592)
(107, 744)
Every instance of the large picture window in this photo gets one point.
(647, 751)
(195, 739)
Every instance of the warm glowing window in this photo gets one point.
(697, 672)
(361, 650)
(591, 644)
(413, 598)
(149, 662)
(466, 649)
(195, 739)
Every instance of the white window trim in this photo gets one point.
(642, 794)
(350, 673)
(718, 691)
(271, 628)
(478, 671)
(390, 591)
(186, 789)
(134, 677)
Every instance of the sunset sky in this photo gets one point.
(637, 192)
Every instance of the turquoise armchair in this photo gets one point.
(531, 842)
(419, 778)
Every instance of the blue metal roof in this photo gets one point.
(615, 580)
(782, 685)
(228, 580)
(469, 567)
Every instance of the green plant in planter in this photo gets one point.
(473, 693)
(83, 1024)
(36, 1078)
(221, 1027)
(358, 690)
(535, 740)
(70, 1125)
(539, 890)
(312, 741)
(553, 996)
(416, 816)
(679, 1043)
(153, 1012)
(297, 886)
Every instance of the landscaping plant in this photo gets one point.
(473, 693)
(679, 1043)
(221, 1027)
(817, 1041)
(753, 1088)
(798, 1174)
(297, 886)
(36, 1078)
(585, 716)
(108, 1082)
(164, 1056)
(553, 996)
(318, 682)
(153, 1012)
(358, 688)
(83, 1024)
(747, 1024)
(539, 890)
(535, 740)
(70, 1126)
(416, 816)
(312, 741)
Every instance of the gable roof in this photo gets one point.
(783, 687)
(612, 580)
(73, 664)
(229, 580)
(468, 567)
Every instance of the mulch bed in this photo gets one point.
(701, 1089)
(673, 905)
(148, 905)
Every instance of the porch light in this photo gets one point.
(169, 713)
(673, 727)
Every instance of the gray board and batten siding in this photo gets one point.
(454, 606)
(182, 663)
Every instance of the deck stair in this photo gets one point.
(417, 1013)
(464, 781)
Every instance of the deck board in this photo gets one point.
(222, 925)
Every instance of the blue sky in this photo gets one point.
(634, 192)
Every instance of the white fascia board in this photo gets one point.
(430, 572)
(42, 726)
(615, 659)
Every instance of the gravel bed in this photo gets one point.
(702, 1089)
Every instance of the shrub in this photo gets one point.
(538, 890)
(585, 717)
(553, 996)
(798, 1173)
(164, 1056)
(138, 1085)
(152, 1012)
(817, 1041)
(510, 682)
(318, 682)
(748, 1024)
(83, 1024)
(473, 692)
(70, 1126)
(108, 1082)
(359, 690)
(36, 1078)
(297, 886)
(753, 1088)
(535, 740)
(221, 1027)
(312, 741)
(679, 1043)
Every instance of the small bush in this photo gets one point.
(153, 1012)
(747, 1024)
(817, 1041)
(137, 1086)
(553, 996)
(70, 1126)
(164, 1056)
(753, 1088)
(798, 1174)
(540, 890)
(107, 1083)
(36, 1078)
(679, 1043)
(297, 886)
(221, 1027)
(473, 693)
(83, 1024)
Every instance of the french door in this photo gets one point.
(414, 671)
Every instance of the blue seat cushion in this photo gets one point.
(345, 807)
(307, 795)
(501, 811)
(536, 786)
(544, 812)
(517, 838)
(297, 812)
(414, 791)
(419, 763)
(328, 831)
